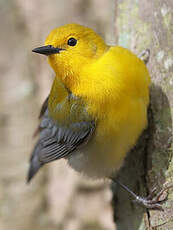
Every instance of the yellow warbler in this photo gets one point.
(97, 107)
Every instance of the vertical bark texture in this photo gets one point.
(140, 25)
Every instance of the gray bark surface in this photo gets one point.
(140, 25)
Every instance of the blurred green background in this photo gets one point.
(57, 198)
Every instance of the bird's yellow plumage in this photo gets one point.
(113, 85)
(97, 107)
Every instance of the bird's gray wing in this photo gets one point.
(57, 141)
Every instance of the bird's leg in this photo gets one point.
(144, 56)
(151, 202)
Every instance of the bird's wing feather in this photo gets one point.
(57, 141)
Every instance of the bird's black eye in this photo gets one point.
(72, 41)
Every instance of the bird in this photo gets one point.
(97, 106)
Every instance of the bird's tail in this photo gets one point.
(35, 164)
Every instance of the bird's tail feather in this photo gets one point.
(35, 164)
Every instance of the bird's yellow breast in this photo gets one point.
(114, 86)
(115, 93)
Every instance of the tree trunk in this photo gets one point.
(140, 25)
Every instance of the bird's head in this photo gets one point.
(71, 47)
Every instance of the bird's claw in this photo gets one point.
(148, 203)
(153, 201)
(145, 55)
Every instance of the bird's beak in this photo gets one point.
(47, 50)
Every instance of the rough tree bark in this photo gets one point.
(140, 25)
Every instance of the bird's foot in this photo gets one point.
(145, 55)
(153, 201)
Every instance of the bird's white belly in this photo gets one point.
(93, 163)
